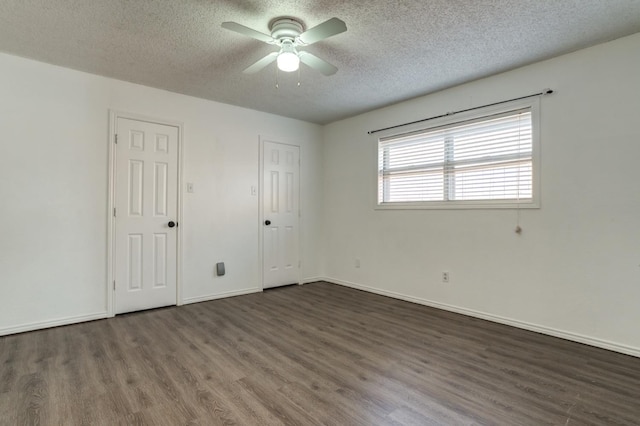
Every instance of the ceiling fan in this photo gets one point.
(289, 35)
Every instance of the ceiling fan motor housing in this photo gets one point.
(285, 28)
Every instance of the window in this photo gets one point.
(484, 161)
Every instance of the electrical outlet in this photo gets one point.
(356, 263)
(189, 187)
(445, 277)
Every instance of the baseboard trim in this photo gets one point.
(311, 280)
(52, 323)
(599, 343)
(198, 299)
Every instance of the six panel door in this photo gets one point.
(146, 202)
(280, 206)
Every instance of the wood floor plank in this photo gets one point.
(243, 402)
(277, 403)
(306, 355)
(32, 400)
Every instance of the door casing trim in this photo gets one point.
(114, 115)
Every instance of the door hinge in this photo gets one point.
(114, 285)
(114, 212)
(299, 264)
(116, 138)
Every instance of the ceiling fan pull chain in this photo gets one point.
(298, 77)
(277, 86)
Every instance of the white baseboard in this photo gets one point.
(311, 280)
(209, 297)
(51, 323)
(599, 343)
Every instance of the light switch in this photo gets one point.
(254, 190)
(189, 187)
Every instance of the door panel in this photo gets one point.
(146, 200)
(160, 193)
(160, 260)
(281, 183)
(134, 262)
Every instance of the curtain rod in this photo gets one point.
(544, 92)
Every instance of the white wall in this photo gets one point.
(53, 191)
(574, 271)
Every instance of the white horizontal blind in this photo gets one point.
(489, 158)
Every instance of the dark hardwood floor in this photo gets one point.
(313, 354)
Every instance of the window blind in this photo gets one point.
(489, 158)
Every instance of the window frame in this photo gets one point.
(532, 103)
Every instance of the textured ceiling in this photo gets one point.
(392, 51)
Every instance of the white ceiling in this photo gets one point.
(392, 51)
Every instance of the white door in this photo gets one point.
(146, 203)
(280, 208)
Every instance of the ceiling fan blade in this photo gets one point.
(234, 26)
(325, 30)
(317, 64)
(261, 63)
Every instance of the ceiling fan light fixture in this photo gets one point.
(288, 60)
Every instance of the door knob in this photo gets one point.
(267, 222)
(171, 224)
